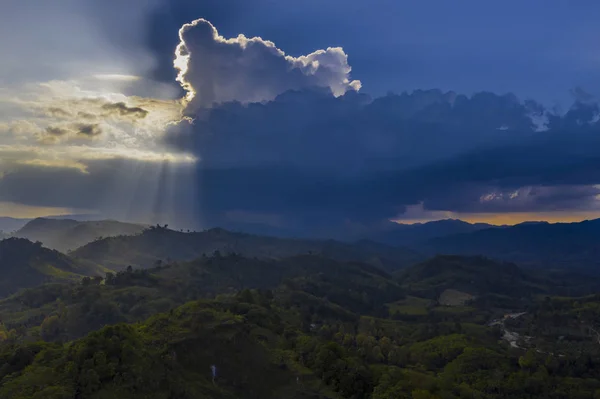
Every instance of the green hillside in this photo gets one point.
(299, 327)
(136, 294)
(25, 264)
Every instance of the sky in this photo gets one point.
(290, 118)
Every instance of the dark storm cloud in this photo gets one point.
(123, 110)
(315, 160)
(581, 95)
(88, 130)
(86, 115)
(53, 134)
(56, 131)
(58, 113)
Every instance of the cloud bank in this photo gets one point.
(213, 69)
(320, 164)
(269, 140)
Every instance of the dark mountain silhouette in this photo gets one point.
(408, 234)
(549, 245)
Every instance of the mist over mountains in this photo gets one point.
(569, 247)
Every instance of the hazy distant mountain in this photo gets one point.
(559, 245)
(67, 234)
(159, 244)
(408, 234)
(25, 264)
(9, 225)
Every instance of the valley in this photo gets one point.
(145, 315)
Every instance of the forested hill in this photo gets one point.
(159, 244)
(25, 264)
(67, 234)
(305, 327)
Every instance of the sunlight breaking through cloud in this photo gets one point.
(214, 69)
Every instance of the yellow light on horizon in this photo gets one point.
(21, 211)
(511, 218)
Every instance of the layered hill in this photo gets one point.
(410, 234)
(9, 225)
(68, 234)
(559, 245)
(25, 264)
(163, 245)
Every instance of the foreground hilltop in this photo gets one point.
(302, 327)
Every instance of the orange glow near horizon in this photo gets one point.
(510, 218)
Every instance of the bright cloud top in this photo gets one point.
(213, 69)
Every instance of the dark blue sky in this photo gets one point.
(535, 49)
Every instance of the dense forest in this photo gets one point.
(227, 325)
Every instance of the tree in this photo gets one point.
(50, 328)
(528, 361)
(109, 279)
(377, 355)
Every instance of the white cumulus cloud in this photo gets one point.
(214, 69)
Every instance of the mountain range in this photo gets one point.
(548, 245)
(116, 245)
(411, 234)
(159, 244)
